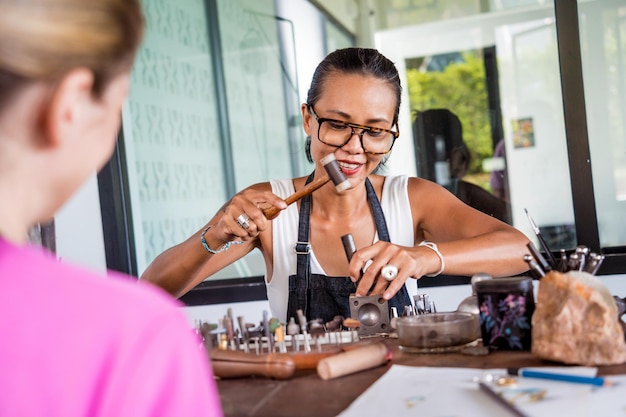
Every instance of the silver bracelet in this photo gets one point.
(223, 248)
(434, 247)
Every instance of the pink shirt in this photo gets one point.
(73, 343)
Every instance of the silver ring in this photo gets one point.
(389, 272)
(243, 220)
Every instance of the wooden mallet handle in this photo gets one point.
(271, 212)
(334, 173)
(236, 364)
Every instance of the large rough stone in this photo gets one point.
(576, 321)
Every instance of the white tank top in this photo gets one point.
(397, 210)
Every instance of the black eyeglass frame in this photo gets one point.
(353, 126)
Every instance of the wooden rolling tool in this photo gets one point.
(354, 360)
(238, 364)
(334, 173)
(309, 361)
(235, 364)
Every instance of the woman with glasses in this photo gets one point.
(404, 228)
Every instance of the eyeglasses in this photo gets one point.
(337, 133)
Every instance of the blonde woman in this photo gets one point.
(75, 343)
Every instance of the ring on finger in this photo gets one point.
(389, 272)
(243, 220)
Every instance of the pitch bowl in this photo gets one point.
(437, 332)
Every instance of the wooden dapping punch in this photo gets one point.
(238, 364)
(333, 172)
(359, 359)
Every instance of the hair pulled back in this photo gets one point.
(362, 61)
(42, 40)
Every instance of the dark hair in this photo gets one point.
(355, 61)
(362, 61)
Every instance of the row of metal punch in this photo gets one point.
(272, 336)
(302, 336)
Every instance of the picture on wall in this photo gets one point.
(523, 133)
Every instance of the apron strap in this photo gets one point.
(377, 211)
(303, 247)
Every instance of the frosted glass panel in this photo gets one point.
(172, 120)
(253, 74)
(171, 130)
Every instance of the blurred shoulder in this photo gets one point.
(421, 187)
(260, 186)
(404, 183)
(37, 271)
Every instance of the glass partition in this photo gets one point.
(171, 130)
(603, 45)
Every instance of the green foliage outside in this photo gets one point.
(461, 88)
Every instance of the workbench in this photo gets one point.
(306, 394)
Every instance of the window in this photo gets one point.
(543, 119)
(214, 107)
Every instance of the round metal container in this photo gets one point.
(437, 332)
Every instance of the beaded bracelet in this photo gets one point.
(433, 246)
(223, 248)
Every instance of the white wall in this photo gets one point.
(531, 88)
(78, 228)
(252, 311)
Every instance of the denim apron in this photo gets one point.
(320, 296)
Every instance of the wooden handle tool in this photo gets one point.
(235, 364)
(309, 361)
(334, 173)
(355, 360)
(271, 212)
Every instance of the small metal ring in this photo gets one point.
(389, 272)
(243, 220)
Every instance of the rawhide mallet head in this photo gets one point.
(336, 175)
